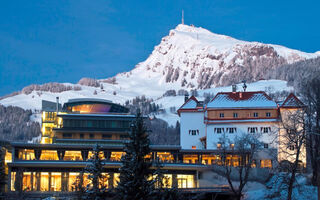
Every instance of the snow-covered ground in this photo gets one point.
(275, 189)
(33, 100)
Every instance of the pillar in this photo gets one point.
(174, 181)
(38, 180)
(195, 180)
(49, 181)
(110, 180)
(9, 179)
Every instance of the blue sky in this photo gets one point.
(63, 41)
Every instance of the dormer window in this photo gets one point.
(255, 114)
(221, 115)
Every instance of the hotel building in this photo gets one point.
(70, 132)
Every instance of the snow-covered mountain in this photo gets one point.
(192, 57)
(188, 58)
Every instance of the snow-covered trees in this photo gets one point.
(15, 124)
(89, 82)
(135, 171)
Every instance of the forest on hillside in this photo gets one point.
(15, 124)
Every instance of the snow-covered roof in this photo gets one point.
(292, 102)
(241, 100)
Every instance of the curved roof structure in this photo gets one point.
(92, 105)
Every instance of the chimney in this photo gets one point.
(186, 97)
(57, 98)
(234, 88)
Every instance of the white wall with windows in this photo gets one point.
(192, 129)
(266, 132)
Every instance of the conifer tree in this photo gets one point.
(2, 170)
(135, 171)
(96, 189)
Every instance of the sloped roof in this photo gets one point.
(292, 102)
(192, 104)
(241, 100)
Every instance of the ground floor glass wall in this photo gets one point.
(70, 181)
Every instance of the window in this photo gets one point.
(106, 136)
(67, 135)
(91, 136)
(124, 137)
(231, 146)
(252, 129)
(268, 114)
(221, 115)
(219, 130)
(218, 146)
(81, 135)
(194, 147)
(235, 115)
(193, 132)
(255, 114)
(291, 147)
(231, 130)
(266, 164)
(266, 129)
(265, 146)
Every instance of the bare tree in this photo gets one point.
(311, 97)
(292, 140)
(245, 146)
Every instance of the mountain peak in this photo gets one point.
(194, 58)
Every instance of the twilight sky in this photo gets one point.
(65, 40)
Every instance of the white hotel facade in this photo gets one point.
(233, 113)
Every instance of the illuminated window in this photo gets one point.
(165, 156)
(26, 154)
(86, 181)
(185, 181)
(81, 136)
(116, 179)
(72, 181)
(26, 181)
(13, 180)
(49, 155)
(266, 164)
(218, 146)
(231, 146)
(72, 155)
(44, 181)
(55, 181)
(116, 156)
(194, 147)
